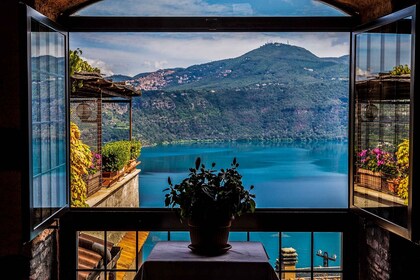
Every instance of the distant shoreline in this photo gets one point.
(191, 141)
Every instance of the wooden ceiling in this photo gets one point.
(364, 9)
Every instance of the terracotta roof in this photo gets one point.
(94, 84)
(90, 255)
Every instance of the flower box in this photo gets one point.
(377, 181)
(93, 183)
(111, 177)
(370, 179)
(131, 166)
(112, 174)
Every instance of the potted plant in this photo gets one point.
(115, 156)
(135, 149)
(377, 169)
(209, 200)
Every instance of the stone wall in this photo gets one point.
(377, 243)
(43, 256)
(384, 255)
(123, 194)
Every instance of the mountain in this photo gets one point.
(275, 92)
(272, 62)
(119, 78)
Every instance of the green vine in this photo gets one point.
(77, 64)
(80, 161)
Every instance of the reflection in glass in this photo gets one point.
(382, 120)
(48, 122)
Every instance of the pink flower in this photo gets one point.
(363, 153)
(377, 151)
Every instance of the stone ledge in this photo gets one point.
(101, 195)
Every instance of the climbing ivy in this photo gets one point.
(80, 161)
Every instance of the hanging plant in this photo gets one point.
(80, 161)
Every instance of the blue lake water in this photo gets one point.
(285, 175)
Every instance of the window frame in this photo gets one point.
(31, 230)
(267, 219)
(411, 232)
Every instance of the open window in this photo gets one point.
(383, 89)
(48, 168)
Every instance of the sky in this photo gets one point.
(134, 53)
(209, 7)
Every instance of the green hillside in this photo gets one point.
(276, 92)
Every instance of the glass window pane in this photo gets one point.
(45, 147)
(327, 250)
(248, 95)
(328, 276)
(152, 239)
(270, 240)
(48, 122)
(37, 199)
(296, 251)
(210, 8)
(36, 149)
(180, 236)
(62, 192)
(237, 236)
(382, 120)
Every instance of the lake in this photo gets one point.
(285, 175)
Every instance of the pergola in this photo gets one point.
(90, 90)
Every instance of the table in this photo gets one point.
(173, 260)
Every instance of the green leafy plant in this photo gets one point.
(77, 64)
(135, 149)
(80, 161)
(115, 155)
(210, 195)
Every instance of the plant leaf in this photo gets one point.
(197, 163)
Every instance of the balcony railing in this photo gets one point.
(164, 220)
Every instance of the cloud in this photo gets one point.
(102, 65)
(156, 7)
(133, 53)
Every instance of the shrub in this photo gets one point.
(115, 155)
(135, 149)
